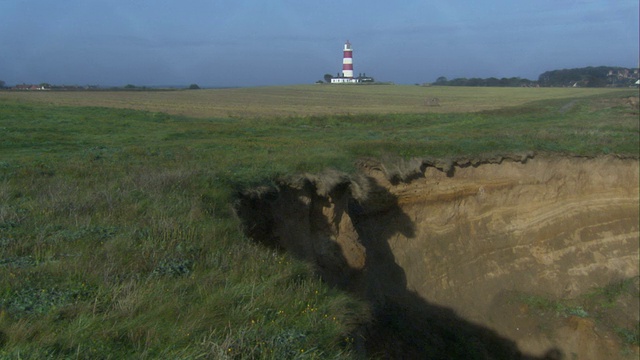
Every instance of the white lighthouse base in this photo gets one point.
(344, 80)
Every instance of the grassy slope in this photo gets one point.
(117, 237)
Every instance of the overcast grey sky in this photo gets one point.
(250, 42)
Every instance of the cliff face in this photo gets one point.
(449, 241)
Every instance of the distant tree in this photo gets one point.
(475, 82)
(595, 81)
(587, 76)
(327, 78)
(194, 87)
(459, 82)
(2, 84)
(492, 81)
(441, 80)
(130, 86)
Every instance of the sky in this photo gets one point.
(219, 43)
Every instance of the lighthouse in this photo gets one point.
(346, 77)
(347, 61)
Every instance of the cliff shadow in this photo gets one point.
(348, 241)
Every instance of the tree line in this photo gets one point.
(128, 87)
(600, 76)
(492, 81)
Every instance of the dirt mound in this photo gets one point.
(435, 246)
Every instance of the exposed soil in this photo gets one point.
(455, 256)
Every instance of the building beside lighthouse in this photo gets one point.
(347, 68)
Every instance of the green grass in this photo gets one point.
(118, 239)
(606, 305)
(308, 100)
(543, 305)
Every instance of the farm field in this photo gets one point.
(118, 231)
(304, 100)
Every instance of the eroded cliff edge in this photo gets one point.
(460, 234)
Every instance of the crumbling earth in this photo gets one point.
(489, 258)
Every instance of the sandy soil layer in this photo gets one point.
(440, 248)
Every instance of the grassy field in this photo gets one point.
(304, 100)
(117, 235)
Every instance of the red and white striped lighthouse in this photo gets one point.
(347, 61)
